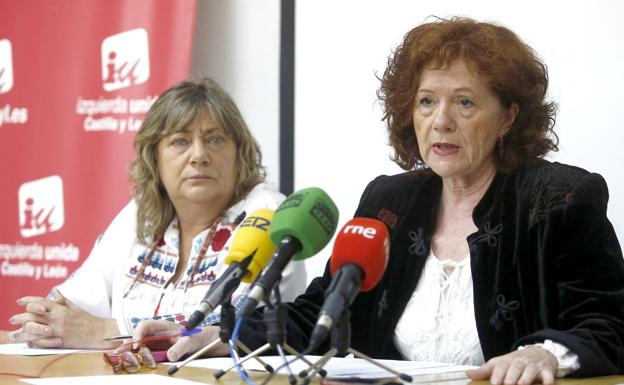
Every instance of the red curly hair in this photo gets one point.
(513, 72)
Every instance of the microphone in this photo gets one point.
(249, 253)
(303, 224)
(358, 261)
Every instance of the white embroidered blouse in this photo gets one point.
(103, 284)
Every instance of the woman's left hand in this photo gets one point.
(183, 345)
(521, 367)
(4, 337)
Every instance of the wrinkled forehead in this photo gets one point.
(462, 71)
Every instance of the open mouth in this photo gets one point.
(445, 148)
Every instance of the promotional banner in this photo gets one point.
(76, 78)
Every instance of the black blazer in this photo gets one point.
(546, 264)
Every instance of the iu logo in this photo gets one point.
(41, 208)
(6, 66)
(125, 59)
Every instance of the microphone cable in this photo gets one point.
(234, 355)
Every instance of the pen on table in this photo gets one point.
(170, 333)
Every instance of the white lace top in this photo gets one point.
(438, 323)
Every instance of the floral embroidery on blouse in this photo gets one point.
(504, 312)
(490, 234)
(417, 246)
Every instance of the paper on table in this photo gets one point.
(24, 350)
(135, 379)
(344, 367)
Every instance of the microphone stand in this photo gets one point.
(274, 316)
(225, 335)
(341, 345)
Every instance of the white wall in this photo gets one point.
(340, 142)
(237, 43)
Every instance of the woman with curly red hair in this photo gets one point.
(498, 258)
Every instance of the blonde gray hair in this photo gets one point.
(173, 111)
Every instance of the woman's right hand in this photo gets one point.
(47, 323)
(182, 345)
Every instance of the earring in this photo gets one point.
(501, 147)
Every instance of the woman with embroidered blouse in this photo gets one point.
(197, 174)
(498, 258)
